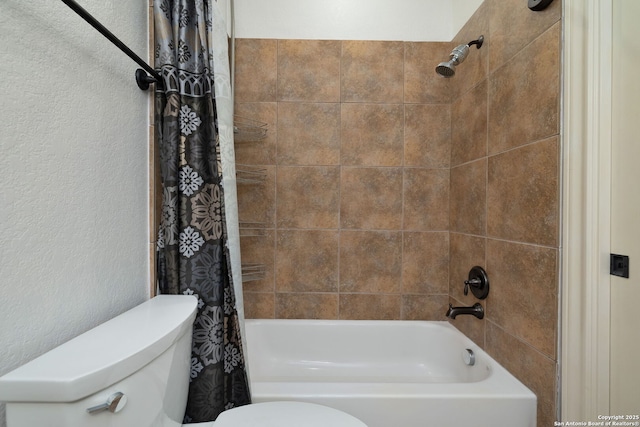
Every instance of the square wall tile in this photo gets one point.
(367, 78)
(372, 134)
(308, 197)
(370, 261)
(259, 305)
(426, 199)
(309, 70)
(465, 253)
(523, 194)
(524, 95)
(425, 263)
(524, 292)
(513, 26)
(256, 70)
(308, 133)
(531, 367)
(427, 135)
(307, 261)
(476, 65)
(371, 198)
(306, 306)
(421, 83)
(469, 125)
(260, 250)
(261, 152)
(370, 307)
(257, 201)
(468, 198)
(424, 307)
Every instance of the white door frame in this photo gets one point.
(586, 160)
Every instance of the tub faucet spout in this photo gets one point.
(475, 310)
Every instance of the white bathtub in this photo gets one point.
(387, 373)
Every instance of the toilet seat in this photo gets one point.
(286, 414)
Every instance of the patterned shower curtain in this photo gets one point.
(193, 254)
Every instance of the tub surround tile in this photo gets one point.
(309, 70)
(425, 263)
(365, 78)
(424, 307)
(394, 132)
(468, 198)
(469, 125)
(372, 134)
(306, 306)
(524, 95)
(371, 198)
(531, 367)
(465, 252)
(257, 201)
(476, 66)
(307, 261)
(426, 199)
(523, 201)
(308, 133)
(256, 70)
(259, 305)
(308, 197)
(370, 261)
(513, 26)
(262, 152)
(471, 326)
(260, 250)
(427, 135)
(421, 83)
(370, 307)
(524, 292)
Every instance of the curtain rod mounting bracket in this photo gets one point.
(143, 79)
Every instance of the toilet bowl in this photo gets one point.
(134, 371)
(283, 414)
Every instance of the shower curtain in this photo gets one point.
(194, 128)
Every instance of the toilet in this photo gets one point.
(133, 371)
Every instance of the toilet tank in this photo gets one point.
(143, 353)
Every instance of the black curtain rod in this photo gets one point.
(142, 78)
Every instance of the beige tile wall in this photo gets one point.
(505, 189)
(356, 199)
(386, 183)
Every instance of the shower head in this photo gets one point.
(448, 68)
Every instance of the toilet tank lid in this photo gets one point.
(103, 355)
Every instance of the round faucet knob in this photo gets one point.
(478, 281)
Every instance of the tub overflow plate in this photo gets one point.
(469, 357)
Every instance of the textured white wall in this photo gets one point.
(406, 20)
(462, 10)
(409, 20)
(73, 173)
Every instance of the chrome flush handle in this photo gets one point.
(114, 404)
